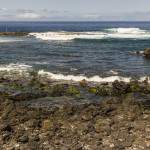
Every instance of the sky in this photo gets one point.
(75, 10)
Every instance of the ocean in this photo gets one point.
(95, 51)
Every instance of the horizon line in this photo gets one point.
(73, 21)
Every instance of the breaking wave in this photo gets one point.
(96, 78)
(15, 67)
(79, 78)
(65, 36)
(127, 30)
(114, 33)
(25, 69)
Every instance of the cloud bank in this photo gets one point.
(53, 15)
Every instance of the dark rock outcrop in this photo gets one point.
(147, 52)
(13, 33)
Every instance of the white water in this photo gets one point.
(15, 67)
(23, 68)
(117, 33)
(8, 39)
(127, 30)
(65, 36)
(131, 33)
(74, 78)
(96, 78)
(113, 72)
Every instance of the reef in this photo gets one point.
(147, 52)
(41, 114)
(13, 33)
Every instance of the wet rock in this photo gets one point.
(103, 126)
(23, 139)
(33, 123)
(115, 119)
(6, 136)
(6, 127)
(58, 90)
(93, 90)
(117, 88)
(64, 89)
(72, 91)
(123, 140)
(135, 86)
(20, 96)
(137, 52)
(33, 145)
(104, 90)
(147, 52)
(89, 113)
(120, 88)
(48, 124)
(83, 83)
(34, 137)
(7, 107)
(13, 33)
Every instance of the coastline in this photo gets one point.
(39, 113)
(14, 33)
(67, 87)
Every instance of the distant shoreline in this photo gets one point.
(13, 33)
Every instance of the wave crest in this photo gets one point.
(127, 30)
(74, 78)
(23, 69)
(116, 33)
(15, 67)
(65, 36)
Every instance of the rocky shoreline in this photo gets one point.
(37, 113)
(13, 33)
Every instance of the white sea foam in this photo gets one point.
(41, 63)
(145, 78)
(116, 33)
(96, 78)
(65, 36)
(131, 33)
(24, 69)
(15, 67)
(79, 78)
(127, 30)
(8, 39)
(113, 72)
(137, 52)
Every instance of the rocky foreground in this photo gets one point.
(40, 114)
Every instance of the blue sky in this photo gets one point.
(75, 10)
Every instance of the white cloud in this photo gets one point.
(91, 16)
(28, 15)
(3, 9)
(56, 15)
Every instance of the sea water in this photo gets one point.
(94, 51)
